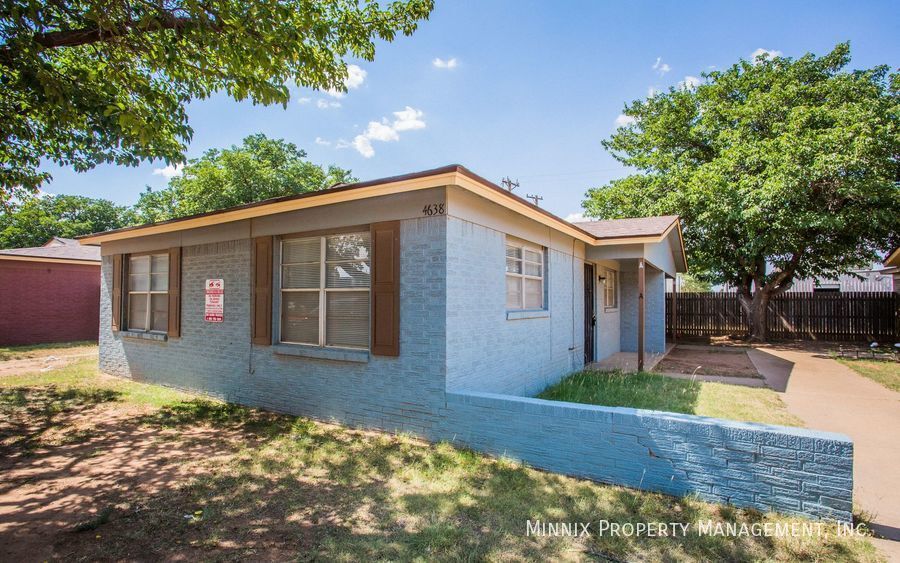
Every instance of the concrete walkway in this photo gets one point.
(830, 396)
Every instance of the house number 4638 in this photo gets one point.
(433, 209)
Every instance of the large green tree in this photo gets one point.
(91, 81)
(780, 169)
(260, 168)
(36, 220)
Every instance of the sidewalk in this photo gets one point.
(830, 396)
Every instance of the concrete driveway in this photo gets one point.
(830, 396)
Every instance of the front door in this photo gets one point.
(590, 319)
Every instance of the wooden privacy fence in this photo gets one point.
(806, 316)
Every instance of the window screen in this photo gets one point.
(524, 276)
(148, 292)
(325, 283)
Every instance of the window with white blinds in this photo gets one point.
(148, 293)
(524, 276)
(325, 283)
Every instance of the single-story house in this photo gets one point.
(366, 302)
(49, 293)
(438, 304)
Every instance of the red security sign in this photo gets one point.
(215, 301)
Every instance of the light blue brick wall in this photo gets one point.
(487, 352)
(654, 311)
(398, 394)
(789, 470)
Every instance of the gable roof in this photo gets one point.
(893, 259)
(451, 175)
(57, 249)
(626, 228)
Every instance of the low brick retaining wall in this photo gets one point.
(789, 470)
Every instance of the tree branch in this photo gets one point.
(74, 38)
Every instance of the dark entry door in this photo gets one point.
(590, 319)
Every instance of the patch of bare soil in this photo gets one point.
(62, 474)
(708, 360)
(43, 363)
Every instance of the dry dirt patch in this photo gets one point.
(78, 466)
(708, 360)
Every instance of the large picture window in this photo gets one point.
(148, 293)
(325, 283)
(524, 276)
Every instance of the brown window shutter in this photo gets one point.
(386, 288)
(261, 316)
(118, 276)
(174, 292)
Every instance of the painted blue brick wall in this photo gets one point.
(397, 394)
(790, 470)
(654, 311)
(487, 352)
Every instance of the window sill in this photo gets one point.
(519, 315)
(154, 336)
(338, 354)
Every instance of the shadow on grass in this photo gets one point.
(218, 414)
(27, 412)
(316, 491)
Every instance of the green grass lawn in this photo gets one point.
(884, 372)
(657, 392)
(42, 350)
(296, 489)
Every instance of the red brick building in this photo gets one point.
(49, 293)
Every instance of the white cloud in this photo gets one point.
(651, 91)
(327, 104)
(386, 131)
(169, 171)
(447, 64)
(304, 100)
(767, 53)
(323, 142)
(355, 78)
(624, 120)
(363, 146)
(689, 82)
(342, 144)
(380, 131)
(408, 119)
(576, 217)
(661, 67)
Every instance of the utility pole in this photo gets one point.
(509, 184)
(535, 198)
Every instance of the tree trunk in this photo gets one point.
(755, 305)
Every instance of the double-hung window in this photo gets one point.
(325, 283)
(610, 290)
(148, 293)
(524, 276)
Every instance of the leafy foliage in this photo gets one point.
(37, 220)
(89, 82)
(780, 169)
(260, 168)
(690, 284)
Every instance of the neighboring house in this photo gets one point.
(368, 302)
(875, 278)
(49, 293)
(893, 262)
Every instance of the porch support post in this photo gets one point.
(640, 335)
(674, 307)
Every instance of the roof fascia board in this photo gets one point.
(20, 258)
(315, 200)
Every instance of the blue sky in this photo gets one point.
(532, 89)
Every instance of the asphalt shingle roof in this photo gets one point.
(636, 227)
(58, 248)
